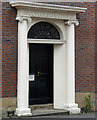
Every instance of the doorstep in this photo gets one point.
(48, 112)
(46, 109)
(40, 106)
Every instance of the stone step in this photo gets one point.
(41, 106)
(46, 109)
(48, 112)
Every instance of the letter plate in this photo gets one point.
(31, 77)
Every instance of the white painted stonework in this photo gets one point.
(64, 19)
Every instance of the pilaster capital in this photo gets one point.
(70, 22)
(22, 18)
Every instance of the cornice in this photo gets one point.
(21, 4)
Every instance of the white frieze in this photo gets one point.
(46, 14)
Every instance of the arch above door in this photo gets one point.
(43, 30)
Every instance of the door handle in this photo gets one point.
(38, 73)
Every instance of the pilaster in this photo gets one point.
(70, 68)
(23, 69)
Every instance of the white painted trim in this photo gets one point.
(58, 24)
(47, 6)
(59, 76)
(23, 71)
(28, 10)
(23, 111)
(72, 108)
(47, 41)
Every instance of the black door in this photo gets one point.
(41, 66)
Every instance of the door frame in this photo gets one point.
(59, 63)
(59, 51)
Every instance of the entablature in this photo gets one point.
(43, 10)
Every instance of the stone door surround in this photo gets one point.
(64, 19)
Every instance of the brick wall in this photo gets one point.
(9, 50)
(85, 49)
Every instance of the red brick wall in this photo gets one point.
(9, 50)
(85, 49)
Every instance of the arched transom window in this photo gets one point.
(43, 30)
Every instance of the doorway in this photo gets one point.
(41, 69)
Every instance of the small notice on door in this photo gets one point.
(31, 77)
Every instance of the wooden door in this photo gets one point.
(41, 67)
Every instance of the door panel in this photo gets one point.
(41, 65)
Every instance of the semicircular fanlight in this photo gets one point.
(43, 30)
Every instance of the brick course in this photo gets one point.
(85, 48)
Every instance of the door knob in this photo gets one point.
(38, 74)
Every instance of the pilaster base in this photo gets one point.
(23, 112)
(72, 108)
